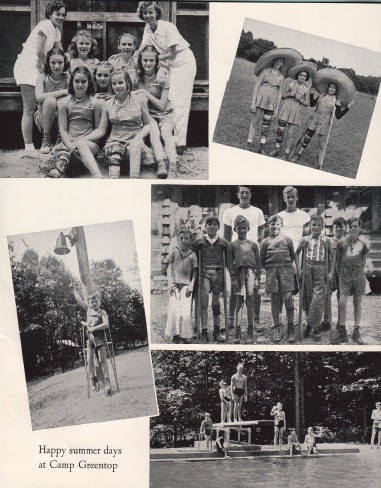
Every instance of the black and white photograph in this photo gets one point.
(82, 325)
(276, 264)
(299, 98)
(268, 418)
(104, 89)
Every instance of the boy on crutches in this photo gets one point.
(96, 323)
(214, 256)
(318, 253)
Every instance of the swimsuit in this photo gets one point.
(239, 392)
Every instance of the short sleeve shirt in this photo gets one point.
(293, 223)
(152, 86)
(351, 255)
(165, 36)
(253, 214)
(52, 34)
(183, 266)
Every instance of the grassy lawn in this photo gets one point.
(347, 136)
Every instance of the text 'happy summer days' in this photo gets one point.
(58, 453)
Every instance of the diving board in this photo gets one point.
(244, 423)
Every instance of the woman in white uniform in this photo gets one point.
(174, 54)
(30, 62)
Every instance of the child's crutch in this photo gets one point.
(84, 351)
(225, 297)
(326, 142)
(111, 355)
(198, 307)
(302, 287)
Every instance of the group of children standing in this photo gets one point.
(318, 266)
(115, 104)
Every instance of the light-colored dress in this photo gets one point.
(292, 108)
(126, 121)
(182, 71)
(25, 70)
(268, 92)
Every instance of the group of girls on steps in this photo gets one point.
(130, 93)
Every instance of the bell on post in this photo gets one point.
(61, 247)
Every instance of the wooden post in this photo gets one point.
(376, 209)
(83, 262)
(297, 392)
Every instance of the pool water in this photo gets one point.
(344, 471)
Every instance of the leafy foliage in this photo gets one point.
(252, 49)
(49, 317)
(340, 390)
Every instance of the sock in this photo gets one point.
(29, 147)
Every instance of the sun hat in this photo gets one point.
(290, 56)
(306, 66)
(346, 89)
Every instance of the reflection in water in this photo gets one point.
(343, 471)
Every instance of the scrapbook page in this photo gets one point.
(220, 329)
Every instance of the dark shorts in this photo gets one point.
(208, 432)
(239, 392)
(279, 424)
(280, 280)
(212, 280)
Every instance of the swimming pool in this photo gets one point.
(342, 471)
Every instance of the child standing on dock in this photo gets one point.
(239, 391)
(206, 429)
(376, 428)
(279, 424)
(226, 399)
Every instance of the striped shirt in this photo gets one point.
(316, 248)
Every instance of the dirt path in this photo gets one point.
(193, 164)
(62, 399)
(370, 331)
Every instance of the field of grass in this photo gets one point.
(347, 138)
